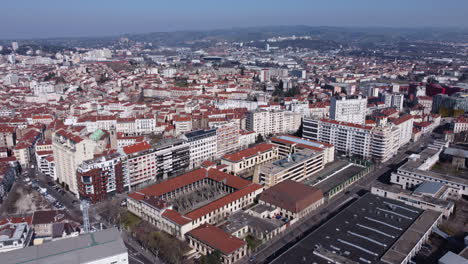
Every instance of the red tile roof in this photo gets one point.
(250, 152)
(291, 195)
(192, 177)
(217, 239)
(137, 147)
(176, 217)
(200, 212)
(402, 119)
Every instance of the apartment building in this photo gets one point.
(227, 138)
(101, 176)
(351, 109)
(348, 138)
(265, 122)
(203, 146)
(384, 142)
(7, 136)
(244, 161)
(70, 150)
(246, 138)
(145, 162)
(378, 143)
(405, 126)
(460, 124)
(296, 167)
(182, 124)
(394, 100)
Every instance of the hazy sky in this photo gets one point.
(52, 18)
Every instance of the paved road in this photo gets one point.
(136, 253)
(275, 247)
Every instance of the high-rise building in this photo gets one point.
(14, 46)
(101, 176)
(351, 109)
(265, 122)
(458, 101)
(227, 138)
(145, 162)
(377, 143)
(203, 146)
(70, 151)
(394, 100)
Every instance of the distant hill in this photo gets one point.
(332, 36)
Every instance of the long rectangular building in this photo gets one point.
(151, 203)
(373, 229)
(297, 167)
(377, 143)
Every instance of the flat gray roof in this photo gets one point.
(302, 141)
(75, 250)
(364, 231)
(429, 187)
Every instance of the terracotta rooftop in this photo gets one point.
(189, 178)
(250, 152)
(200, 212)
(137, 147)
(291, 195)
(217, 239)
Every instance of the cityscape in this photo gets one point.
(229, 136)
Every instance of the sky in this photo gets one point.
(22, 19)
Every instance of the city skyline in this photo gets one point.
(49, 19)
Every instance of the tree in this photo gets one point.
(259, 138)
(212, 258)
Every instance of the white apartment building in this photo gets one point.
(203, 146)
(69, 152)
(39, 88)
(394, 100)
(378, 143)
(227, 138)
(145, 125)
(182, 124)
(265, 122)
(351, 109)
(246, 138)
(460, 124)
(405, 125)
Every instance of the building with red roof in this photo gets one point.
(208, 238)
(152, 203)
(244, 161)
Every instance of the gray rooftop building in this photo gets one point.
(100, 247)
(371, 230)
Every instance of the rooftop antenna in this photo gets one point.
(84, 206)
